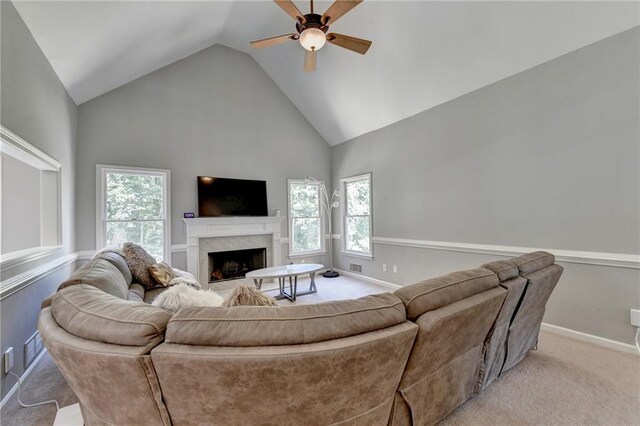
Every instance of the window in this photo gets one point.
(305, 218)
(133, 205)
(357, 215)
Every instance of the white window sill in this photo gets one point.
(307, 254)
(358, 254)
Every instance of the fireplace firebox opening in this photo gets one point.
(234, 264)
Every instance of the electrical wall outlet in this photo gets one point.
(395, 269)
(635, 317)
(8, 360)
(384, 267)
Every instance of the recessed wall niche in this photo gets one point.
(30, 199)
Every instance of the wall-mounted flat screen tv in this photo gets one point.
(231, 197)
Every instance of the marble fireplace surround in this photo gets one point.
(213, 234)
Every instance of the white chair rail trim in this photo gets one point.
(18, 282)
(618, 260)
(18, 258)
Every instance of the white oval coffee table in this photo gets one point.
(284, 272)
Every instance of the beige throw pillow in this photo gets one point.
(138, 261)
(161, 273)
(248, 296)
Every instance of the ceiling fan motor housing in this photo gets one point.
(312, 20)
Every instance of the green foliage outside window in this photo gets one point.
(135, 211)
(304, 205)
(358, 212)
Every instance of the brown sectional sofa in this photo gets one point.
(406, 358)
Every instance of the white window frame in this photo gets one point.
(323, 245)
(343, 187)
(101, 206)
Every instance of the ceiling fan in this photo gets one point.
(312, 31)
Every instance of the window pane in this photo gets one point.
(304, 200)
(149, 235)
(358, 234)
(306, 234)
(358, 198)
(131, 196)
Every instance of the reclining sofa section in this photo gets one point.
(406, 358)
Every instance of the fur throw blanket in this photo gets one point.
(183, 277)
(184, 296)
(248, 296)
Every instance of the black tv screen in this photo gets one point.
(231, 197)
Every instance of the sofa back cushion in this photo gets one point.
(345, 381)
(102, 274)
(116, 258)
(504, 269)
(534, 261)
(441, 291)
(90, 313)
(284, 325)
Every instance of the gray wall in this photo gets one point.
(214, 113)
(36, 107)
(21, 205)
(546, 158)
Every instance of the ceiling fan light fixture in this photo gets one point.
(312, 39)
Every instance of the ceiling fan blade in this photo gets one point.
(272, 41)
(309, 60)
(352, 43)
(291, 10)
(338, 9)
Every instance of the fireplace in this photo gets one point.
(234, 264)
(218, 234)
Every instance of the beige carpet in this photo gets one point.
(45, 383)
(564, 382)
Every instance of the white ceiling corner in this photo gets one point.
(424, 53)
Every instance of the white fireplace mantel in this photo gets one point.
(211, 227)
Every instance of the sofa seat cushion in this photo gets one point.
(90, 313)
(532, 262)
(101, 274)
(437, 292)
(284, 325)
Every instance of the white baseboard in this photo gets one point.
(590, 338)
(369, 279)
(24, 377)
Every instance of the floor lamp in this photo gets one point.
(328, 204)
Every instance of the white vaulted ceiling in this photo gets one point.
(423, 54)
